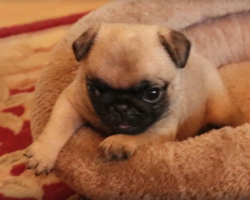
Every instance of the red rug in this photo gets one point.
(22, 57)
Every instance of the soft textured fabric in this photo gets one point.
(210, 166)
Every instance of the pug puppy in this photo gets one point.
(135, 84)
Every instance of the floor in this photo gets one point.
(13, 12)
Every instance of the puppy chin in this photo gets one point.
(128, 129)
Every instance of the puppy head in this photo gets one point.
(128, 69)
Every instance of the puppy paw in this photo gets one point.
(118, 147)
(40, 158)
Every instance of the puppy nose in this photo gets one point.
(121, 108)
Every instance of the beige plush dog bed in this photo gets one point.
(211, 166)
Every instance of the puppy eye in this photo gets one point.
(153, 95)
(93, 90)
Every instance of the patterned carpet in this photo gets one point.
(21, 60)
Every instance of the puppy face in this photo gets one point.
(128, 110)
(128, 69)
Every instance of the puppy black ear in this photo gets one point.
(83, 44)
(177, 46)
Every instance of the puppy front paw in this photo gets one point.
(118, 147)
(40, 158)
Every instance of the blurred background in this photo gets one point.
(13, 12)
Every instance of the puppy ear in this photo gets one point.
(176, 44)
(83, 44)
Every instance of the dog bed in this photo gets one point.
(215, 165)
